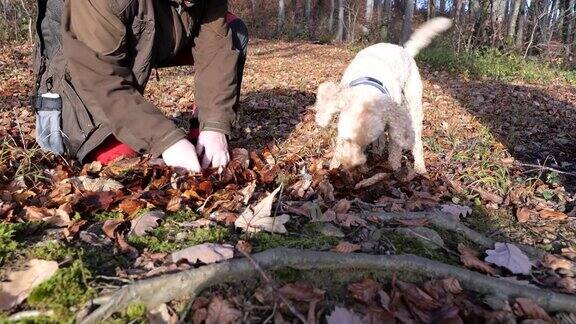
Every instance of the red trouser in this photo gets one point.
(112, 148)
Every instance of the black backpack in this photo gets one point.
(62, 121)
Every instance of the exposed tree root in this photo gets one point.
(155, 291)
(444, 221)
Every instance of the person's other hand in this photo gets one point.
(182, 154)
(215, 147)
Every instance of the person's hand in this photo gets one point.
(182, 154)
(215, 149)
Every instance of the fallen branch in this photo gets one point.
(443, 221)
(152, 292)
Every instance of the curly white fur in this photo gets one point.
(366, 113)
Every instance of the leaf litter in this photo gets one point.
(129, 186)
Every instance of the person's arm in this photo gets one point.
(95, 48)
(215, 61)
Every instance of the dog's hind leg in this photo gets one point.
(418, 151)
(394, 151)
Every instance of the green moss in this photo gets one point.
(182, 216)
(7, 243)
(51, 250)
(67, 288)
(104, 216)
(264, 241)
(163, 238)
(409, 245)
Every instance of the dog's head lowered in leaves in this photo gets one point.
(380, 90)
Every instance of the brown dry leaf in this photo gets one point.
(244, 246)
(553, 262)
(525, 307)
(97, 201)
(342, 206)
(248, 191)
(162, 315)
(57, 217)
(146, 222)
(488, 196)
(417, 222)
(206, 253)
(131, 206)
(416, 296)
(341, 315)
(174, 204)
(345, 247)
(569, 252)
(567, 285)
(303, 292)
(552, 215)
(523, 215)
(221, 311)
(326, 190)
(226, 217)
(469, 259)
(21, 283)
(349, 220)
(372, 180)
(366, 291)
(73, 229)
(110, 227)
(240, 158)
(442, 289)
(85, 183)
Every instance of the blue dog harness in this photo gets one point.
(371, 82)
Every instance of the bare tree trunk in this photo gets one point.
(513, 20)
(499, 17)
(519, 41)
(281, 13)
(340, 31)
(308, 11)
(569, 22)
(457, 11)
(552, 20)
(294, 7)
(407, 26)
(387, 14)
(369, 12)
(331, 17)
(431, 10)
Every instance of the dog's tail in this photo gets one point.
(425, 33)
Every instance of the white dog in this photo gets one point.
(381, 88)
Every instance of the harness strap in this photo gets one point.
(371, 82)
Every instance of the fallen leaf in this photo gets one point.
(416, 296)
(244, 246)
(366, 291)
(146, 222)
(111, 226)
(569, 252)
(225, 217)
(174, 204)
(326, 190)
(21, 283)
(220, 311)
(416, 222)
(345, 247)
(372, 180)
(342, 206)
(248, 191)
(456, 210)
(117, 229)
(258, 218)
(131, 206)
(73, 229)
(525, 307)
(97, 201)
(56, 217)
(567, 285)
(162, 315)
(240, 158)
(349, 220)
(85, 183)
(303, 292)
(342, 315)
(485, 195)
(523, 215)
(442, 290)
(555, 263)
(206, 253)
(510, 257)
(552, 215)
(469, 259)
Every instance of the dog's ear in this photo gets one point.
(328, 102)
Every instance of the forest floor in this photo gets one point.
(501, 160)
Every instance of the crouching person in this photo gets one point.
(95, 72)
